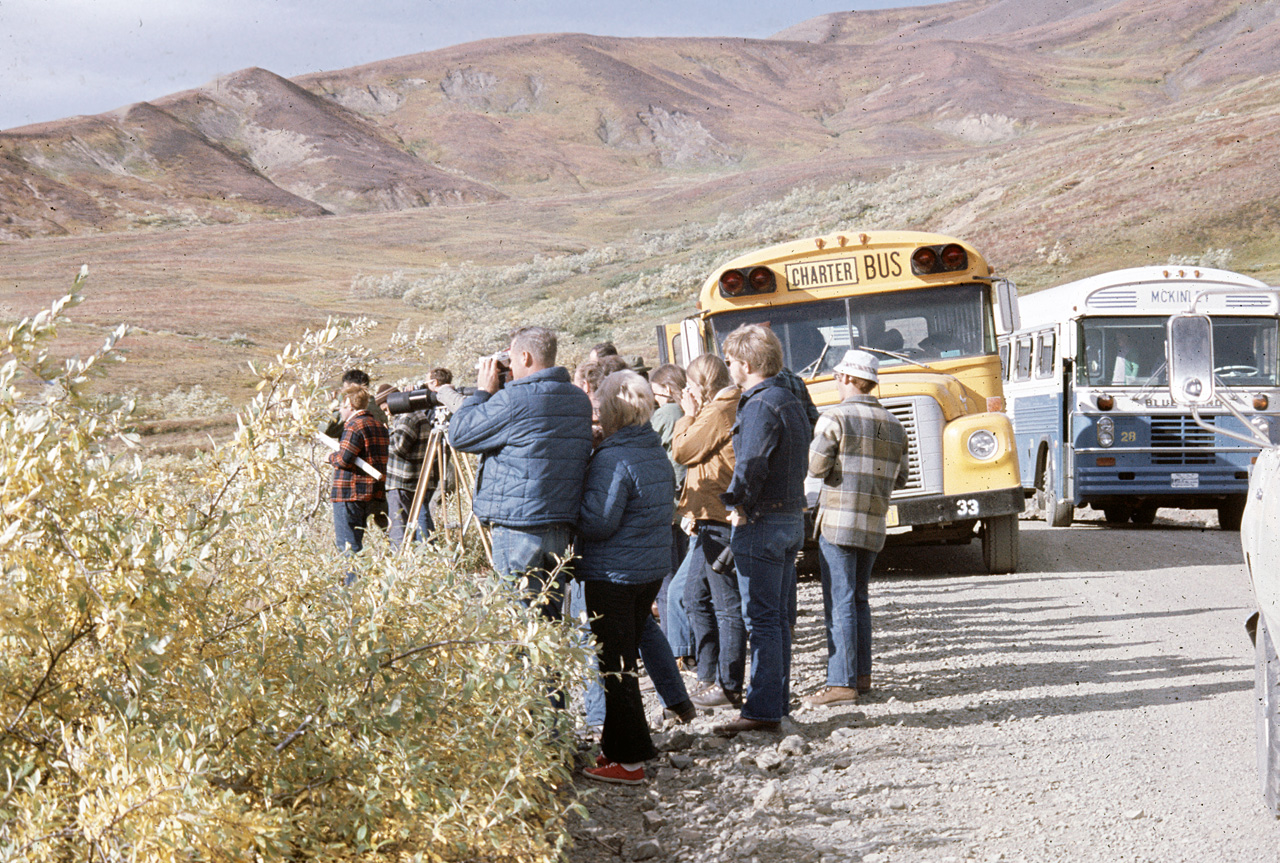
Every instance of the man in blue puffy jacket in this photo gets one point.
(534, 440)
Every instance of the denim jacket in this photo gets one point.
(771, 445)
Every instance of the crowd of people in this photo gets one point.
(623, 501)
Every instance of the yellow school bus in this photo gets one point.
(930, 308)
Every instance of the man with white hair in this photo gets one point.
(859, 451)
(534, 438)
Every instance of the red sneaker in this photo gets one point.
(601, 761)
(615, 773)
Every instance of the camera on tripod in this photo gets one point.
(414, 400)
(419, 400)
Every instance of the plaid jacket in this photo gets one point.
(859, 451)
(362, 437)
(410, 434)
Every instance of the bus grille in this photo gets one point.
(922, 420)
(1178, 440)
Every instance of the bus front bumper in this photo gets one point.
(944, 509)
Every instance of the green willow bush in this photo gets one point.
(184, 677)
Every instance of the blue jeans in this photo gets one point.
(533, 553)
(716, 608)
(655, 653)
(349, 520)
(675, 619)
(764, 552)
(846, 576)
(399, 502)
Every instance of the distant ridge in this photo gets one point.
(541, 116)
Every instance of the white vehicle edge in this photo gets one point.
(1192, 385)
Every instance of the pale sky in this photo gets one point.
(59, 58)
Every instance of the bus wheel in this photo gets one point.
(1145, 514)
(1056, 513)
(1000, 544)
(1266, 690)
(1117, 514)
(1230, 511)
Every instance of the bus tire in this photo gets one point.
(1266, 691)
(1231, 511)
(1145, 513)
(1000, 544)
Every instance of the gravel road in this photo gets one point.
(1095, 706)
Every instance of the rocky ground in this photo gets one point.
(1095, 706)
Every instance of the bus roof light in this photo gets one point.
(762, 280)
(757, 280)
(732, 283)
(924, 261)
(954, 257)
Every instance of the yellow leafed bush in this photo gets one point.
(184, 677)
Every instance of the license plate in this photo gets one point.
(1185, 480)
(891, 517)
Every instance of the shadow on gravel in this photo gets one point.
(1083, 549)
(999, 646)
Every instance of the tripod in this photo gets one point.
(439, 460)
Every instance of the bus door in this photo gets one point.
(681, 341)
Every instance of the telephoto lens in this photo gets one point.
(723, 562)
(414, 400)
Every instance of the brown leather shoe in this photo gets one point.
(717, 696)
(829, 696)
(735, 727)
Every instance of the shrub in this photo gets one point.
(185, 677)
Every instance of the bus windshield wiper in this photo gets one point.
(903, 357)
(812, 368)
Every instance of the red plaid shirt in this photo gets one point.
(362, 437)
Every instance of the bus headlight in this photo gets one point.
(983, 445)
(1106, 431)
(1263, 425)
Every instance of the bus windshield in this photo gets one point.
(924, 324)
(1130, 351)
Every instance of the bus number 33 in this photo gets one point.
(967, 508)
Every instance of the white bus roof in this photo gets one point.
(1149, 291)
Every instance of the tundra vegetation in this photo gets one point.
(183, 675)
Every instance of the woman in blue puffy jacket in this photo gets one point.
(624, 549)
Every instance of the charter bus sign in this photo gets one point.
(843, 272)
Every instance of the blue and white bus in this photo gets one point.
(1086, 388)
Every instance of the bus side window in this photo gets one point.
(1004, 361)
(1044, 368)
(1023, 370)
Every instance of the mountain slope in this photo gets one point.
(544, 116)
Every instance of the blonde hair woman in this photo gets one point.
(704, 442)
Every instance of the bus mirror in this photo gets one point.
(1190, 346)
(1007, 305)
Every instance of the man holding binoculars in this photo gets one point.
(533, 434)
